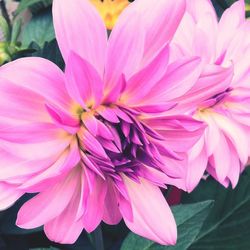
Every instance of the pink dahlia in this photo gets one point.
(221, 101)
(93, 142)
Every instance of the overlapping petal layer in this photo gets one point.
(219, 96)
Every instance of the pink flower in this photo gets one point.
(221, 96)
(93, 142)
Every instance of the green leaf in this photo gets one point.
(227, 226)
(16, 29)
(4, 29)
(25, 4)
(51, 52)
(189, 219)
(39, 30)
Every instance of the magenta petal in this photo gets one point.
(83, 82)
(142, 82)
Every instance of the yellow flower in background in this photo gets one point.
(110, 10)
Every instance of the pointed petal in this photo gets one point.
(180, 77)
(111, 215)
(8, 195)
(65, 229)
(48, 204)
(221, 158)
(74, 22)
(197, 164)
(83, 82)
(161, 19)
(95, 205)
(231, 19)
(147, 210)
(142, 82)
(125, 50)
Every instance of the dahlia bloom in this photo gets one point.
(222, 102)
(94, 141)
(110, 10)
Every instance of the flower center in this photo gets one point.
(113, 140)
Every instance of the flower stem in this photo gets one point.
(98, 239)
(5, 12)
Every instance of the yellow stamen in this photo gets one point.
(76, 109)
(110, 10)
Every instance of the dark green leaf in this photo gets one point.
(40, 29)
(8, 220)
(51, 52)
(25, 4)
(228, 225)
(189, 219)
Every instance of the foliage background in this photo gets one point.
(211, 217)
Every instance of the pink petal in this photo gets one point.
(152, 217)
(38, 150)
(116, 92)
(197, 164)
(25, 133)
(111, 215)
(15, 167)
(181, 132)
(182, 43)
(19, 105)
(235, 168)
(161, 19)
(235, 133)
(8, 195)
(92, 144)
(213, 80)
(67, 160)
(180, 77)
(95, 205)
(65, 229)
(74, 23)
(142, 82)
(39, 76)
(231, 19)
(198, 9)
(83, 82)
(49, 204)
(125, 49)
(221, 158)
